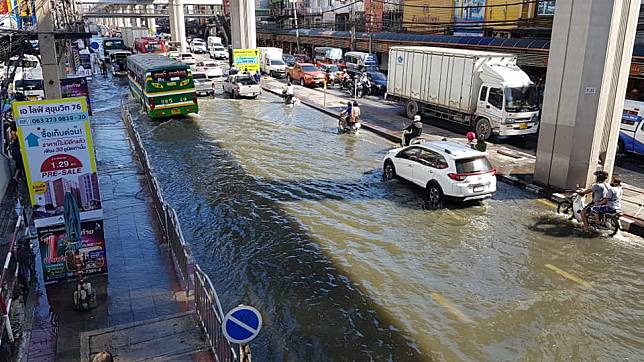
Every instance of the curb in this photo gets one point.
(632, 225)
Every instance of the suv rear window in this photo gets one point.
(473, 165)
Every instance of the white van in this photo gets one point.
(271, 63)
(358, 62)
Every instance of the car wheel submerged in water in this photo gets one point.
(389, 171)
(434, 196)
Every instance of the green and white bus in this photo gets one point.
(164, 86)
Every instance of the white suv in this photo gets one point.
(446, 169)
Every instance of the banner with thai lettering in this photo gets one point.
(58, 155)
(63, 259)
(246, 59)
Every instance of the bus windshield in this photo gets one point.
(169, 75)
(113, 44)
(28, 85)
(153, 47)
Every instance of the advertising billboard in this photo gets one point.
(425, 16)
(76, 87)
(62, 259)
(468, 17)
(373, 15)
(58, 155)
(246, 60)
(5, 6)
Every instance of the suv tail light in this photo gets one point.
(457, 176)
(463, 176)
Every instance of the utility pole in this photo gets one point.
(352, 20)
(372, 4)
(47, 45)
(297, 29)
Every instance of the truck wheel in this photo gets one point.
(483, 128)
(411, 109)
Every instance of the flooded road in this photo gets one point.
(286, 215)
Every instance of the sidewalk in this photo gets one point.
(513, 166)
(141, 283)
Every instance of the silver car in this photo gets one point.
(203, 84)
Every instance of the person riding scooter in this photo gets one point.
(345, 115)
(288, 92)
(599, 190)
(612, 202)
(413, 130)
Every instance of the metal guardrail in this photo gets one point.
(9, 280)
(207, 303)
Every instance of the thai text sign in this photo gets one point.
(58, 155)
(246, 59)
(63, 259)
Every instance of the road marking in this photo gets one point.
(569, 276)
(450, 307)
(547, 202)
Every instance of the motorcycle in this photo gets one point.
(289, 99)
(573, 205)
(345, 127)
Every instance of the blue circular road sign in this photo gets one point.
(242, 324)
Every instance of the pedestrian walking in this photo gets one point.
(104, 69)
(16, 155)
(258, 78)
(480, 146)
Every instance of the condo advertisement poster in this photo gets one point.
(62, 259)
(58, 154)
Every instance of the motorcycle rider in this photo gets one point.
(345, 115)
(599, 190)
(612, 202)
(288, 92)
(355, 114)
(366, 84)
(413, 130)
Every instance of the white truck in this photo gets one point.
(271, 63)
(129, 35)
(484, 90)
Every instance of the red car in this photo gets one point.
(306, 74)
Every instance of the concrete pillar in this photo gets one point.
(588, 67)
(180, 24)
(242, 19)
(172, 20)
(47, 43)
(152, 22)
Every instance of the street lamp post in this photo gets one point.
(297, 30)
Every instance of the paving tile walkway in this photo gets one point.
(141, 283)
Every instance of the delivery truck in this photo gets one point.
(130, 35)
(270, 62)
(484, 90)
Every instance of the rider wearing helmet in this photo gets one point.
(599, 190)
(413, 130)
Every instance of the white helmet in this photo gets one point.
(416, 118)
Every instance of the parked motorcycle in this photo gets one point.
(573, 205)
